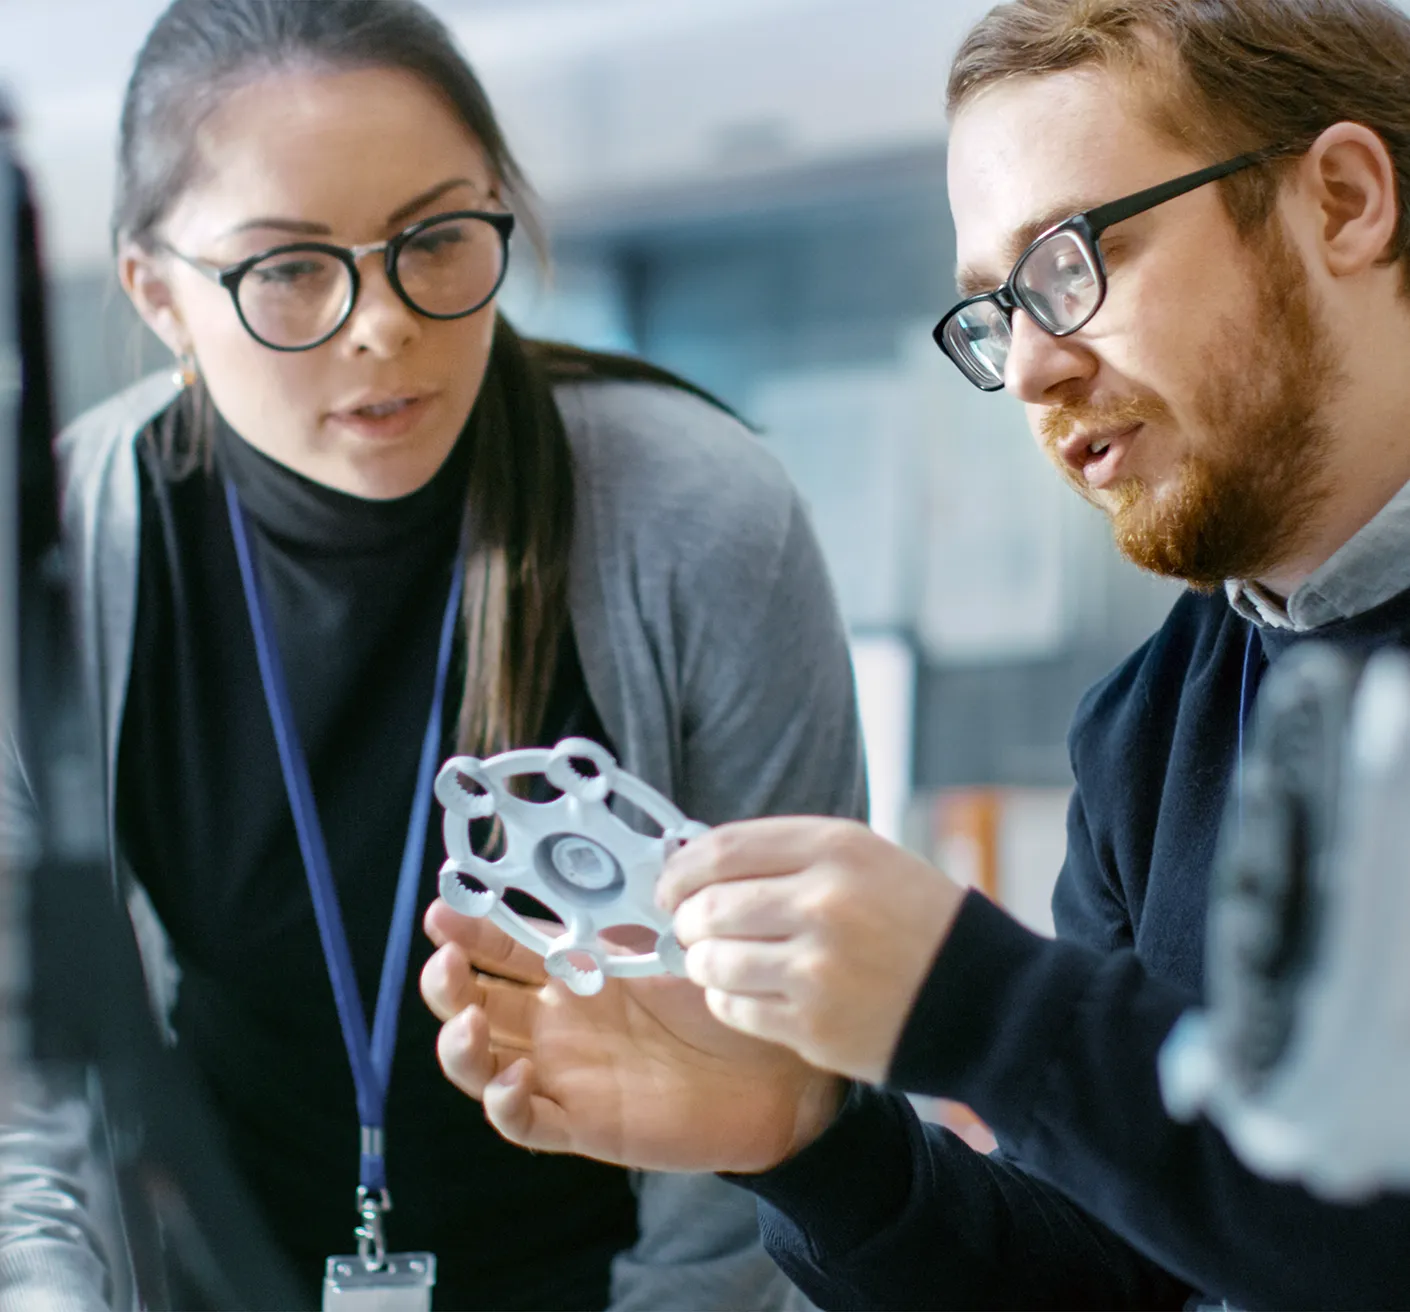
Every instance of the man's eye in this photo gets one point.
(1073, 272)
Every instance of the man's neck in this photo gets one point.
(1368, 465)
(1333, 529)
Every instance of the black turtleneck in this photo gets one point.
(357, 590)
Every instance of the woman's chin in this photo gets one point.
(381, 471)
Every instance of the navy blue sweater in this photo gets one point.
(1096, 1198)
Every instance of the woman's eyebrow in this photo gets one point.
(302, 227)
(307, 228)
(426, 197)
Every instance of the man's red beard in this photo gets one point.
(1244, 503)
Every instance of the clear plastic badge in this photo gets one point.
(401, 1283)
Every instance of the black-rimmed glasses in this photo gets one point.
(1060, 280)
(295, 297)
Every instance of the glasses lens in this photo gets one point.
(977, 339)
(295, 297)
(452, 267)
(1059, 283)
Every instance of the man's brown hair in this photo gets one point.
(1221, 77)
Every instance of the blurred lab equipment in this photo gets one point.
(1302, 1055)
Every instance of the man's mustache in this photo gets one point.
(1060, 421)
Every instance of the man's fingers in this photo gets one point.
(750, 849)
(485, 945)
(770, 1019)
(745, 908)
(521, 1114)
(735, 966)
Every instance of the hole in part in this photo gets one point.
(532, 786)
(469, 883)
(639, 940)
(634, 817)
(470, 787)
(487, 838)
(521, 785)
(582, 960)
(588, 779)
(526, 905)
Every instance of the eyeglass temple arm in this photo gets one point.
(211, 271)
(1106, 216)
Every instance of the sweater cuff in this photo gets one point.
(998, 999)
(850, 1183)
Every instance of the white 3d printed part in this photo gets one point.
(573, 854)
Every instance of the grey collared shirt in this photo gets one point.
(1371, 568)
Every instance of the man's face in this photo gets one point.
(1189, 408)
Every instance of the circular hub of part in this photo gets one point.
(580, 864)
(576, 855)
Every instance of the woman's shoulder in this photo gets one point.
(86, 445)
(645, 450)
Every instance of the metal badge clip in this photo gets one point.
(371, 1234)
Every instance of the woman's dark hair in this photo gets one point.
(520, 497)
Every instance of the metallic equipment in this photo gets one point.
(78, 1039)
(1302, 1057)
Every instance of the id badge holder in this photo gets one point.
(402, 1283)
(372, 1279)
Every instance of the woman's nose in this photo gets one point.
(381, 322)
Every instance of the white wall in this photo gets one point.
(596, 95)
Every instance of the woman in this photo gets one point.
(362, 484)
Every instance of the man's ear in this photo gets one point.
(145, 279)
(1351, 179)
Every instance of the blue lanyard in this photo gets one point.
(1254, 663)
(371, 1061)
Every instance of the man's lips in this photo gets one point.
(1095, 455)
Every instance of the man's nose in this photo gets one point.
(1039, 363)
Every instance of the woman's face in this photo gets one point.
(347, 158)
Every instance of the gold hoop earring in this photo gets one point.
(184, 375)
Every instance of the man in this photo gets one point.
(1222, 365)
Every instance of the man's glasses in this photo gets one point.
(295, 297)
(1060, 280)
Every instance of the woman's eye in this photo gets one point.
(287, 271)
(432, 243)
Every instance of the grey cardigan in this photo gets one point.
(712, 648)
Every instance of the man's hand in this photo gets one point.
(640, 1074)
(812, 933)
